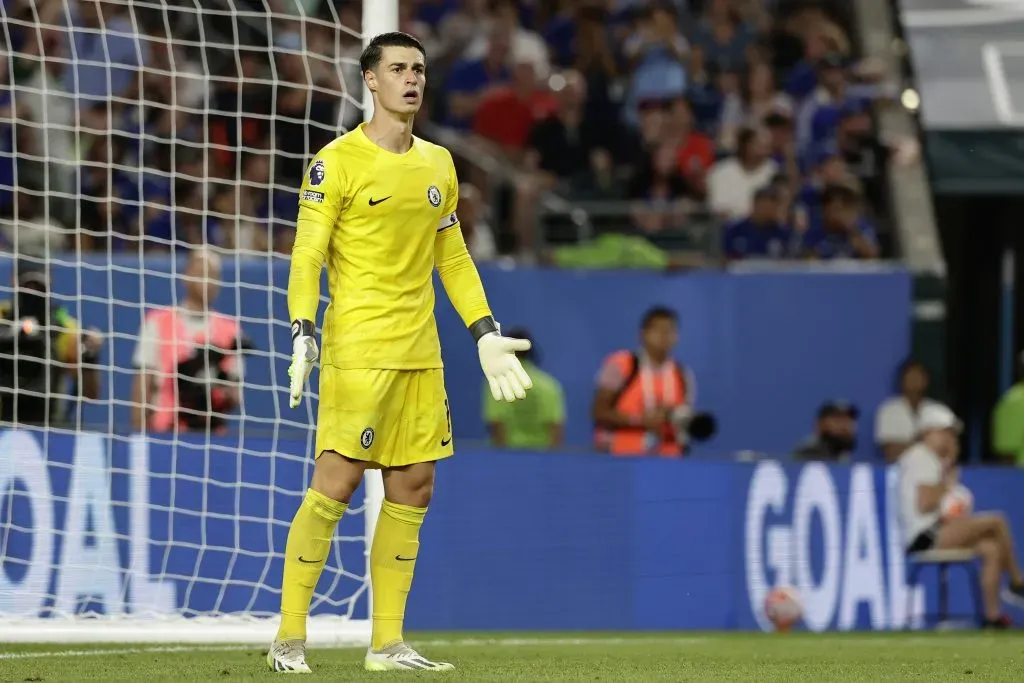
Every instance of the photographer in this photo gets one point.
(42, 348)
(644, 403)
(189, 359)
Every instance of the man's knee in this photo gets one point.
(993, 523)
(412, 485)
(988, 550)
(336, 476)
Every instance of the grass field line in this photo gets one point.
(459, 642)
(858, 639)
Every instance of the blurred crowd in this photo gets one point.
(128, 126)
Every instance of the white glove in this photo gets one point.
(304, 355)
(502, 369)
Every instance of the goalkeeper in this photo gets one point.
(378, 206)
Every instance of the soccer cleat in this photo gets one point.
(1000, 624)
(288, 657)
(401, 657)
(1014, 595)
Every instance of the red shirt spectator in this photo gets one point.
(507, 114)
(696, 154)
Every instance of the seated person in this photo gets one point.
(844, 232)
(928, 471)
(835, 434)
(762, 234)
(534, 423)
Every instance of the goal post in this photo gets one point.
(182, 130)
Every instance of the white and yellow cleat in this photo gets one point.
(401, 657)
(288, 657)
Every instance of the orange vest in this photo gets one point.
(176, 345)
(630, 401)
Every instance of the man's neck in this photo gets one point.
(194, 306)
(390, 132)
(655, 359)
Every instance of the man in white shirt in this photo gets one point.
(896, 420)
(732, 182)
(928, 471)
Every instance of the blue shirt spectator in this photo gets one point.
(844, 232)
(762, 234)
(656, 51)
(468, 80)
(105, 56)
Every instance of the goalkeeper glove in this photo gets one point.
(304, 355)
(504, 372)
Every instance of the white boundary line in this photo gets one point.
(868, 639)
(462, 642)
(995, 74)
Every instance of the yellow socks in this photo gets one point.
(309, 542)
(392, 561)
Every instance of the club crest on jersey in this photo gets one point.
(317, 172)
(366, 438)
(434, 196)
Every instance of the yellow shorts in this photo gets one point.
(388, 418)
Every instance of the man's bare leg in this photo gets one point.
(991, 576)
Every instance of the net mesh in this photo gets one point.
(133, 136)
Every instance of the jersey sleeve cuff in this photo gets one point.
(483, 326)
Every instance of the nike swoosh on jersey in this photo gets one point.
(305, 561)
(404, 559)
(445, 442)
(375, 202)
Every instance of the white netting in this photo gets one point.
(134, 134)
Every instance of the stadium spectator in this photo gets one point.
(42, 350)
(733, 181)
(819, 113)
(835, 434)
(695, 152)
(525, 45)
(562, 152)
(188, 358)
(475, 228)
(644, 398)
(595, 59)
(507, 114)
(1008, 422)
(31, 231)
(534, 423)
(655, 52)
(827, 167)
(844, 232)
(928, 471)
(722, 39)
(108, 56)
(470, 79)
(897, 418)
(764, 233)
(657, 190)
(751, 105)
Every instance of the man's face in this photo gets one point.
(833, 77)
(915, 381)
(840, 215)
(203, 278)
(660, 336)
(833, 170)
(839, 427)
(757, 150)
(399, 80)
(766, 209)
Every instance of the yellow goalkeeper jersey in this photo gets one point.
(381, 222)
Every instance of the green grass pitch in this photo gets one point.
(643, 657)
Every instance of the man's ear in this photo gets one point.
(370, 78)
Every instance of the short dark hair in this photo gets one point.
(656, 313)
(370, 59)
(844, 194)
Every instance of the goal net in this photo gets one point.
(135, 135)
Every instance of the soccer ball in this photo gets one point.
(783, 608)
(957, 502)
